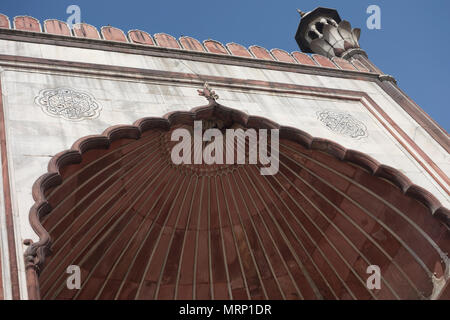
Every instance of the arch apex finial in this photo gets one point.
(302, 13)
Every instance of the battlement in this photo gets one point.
(184, 43)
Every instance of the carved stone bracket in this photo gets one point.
(387, 77)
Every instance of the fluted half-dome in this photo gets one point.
(140, 227)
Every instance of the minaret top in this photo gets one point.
(322, 31)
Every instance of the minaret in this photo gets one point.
(323, 32)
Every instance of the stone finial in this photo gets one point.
(302, 13)
(322, 31)
(209, 94)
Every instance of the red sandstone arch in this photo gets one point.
(141, 228)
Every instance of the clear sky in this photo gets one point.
(413, 43)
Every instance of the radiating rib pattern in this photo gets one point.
(141, 227)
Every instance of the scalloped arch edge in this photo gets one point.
(36, 252)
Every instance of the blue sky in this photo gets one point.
(413, 44)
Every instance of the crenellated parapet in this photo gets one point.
(55, 26)
(184, 43)
(113, 34)
(84, 30)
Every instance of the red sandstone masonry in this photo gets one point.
(84, 30)
(214, 46)
(166, 40)
(4, 21)
(26, 23)
(359, 66)
(113, 34)
(282, 56)
(324, 61)
(57, 27)
(141, 37)
(314, 146)
(261, 53)
(189, 43)
(303, 58)
(238, 50)
(344, 64)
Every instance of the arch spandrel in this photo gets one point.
(141, 227)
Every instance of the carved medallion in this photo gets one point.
(68, 104)
(343, 123)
